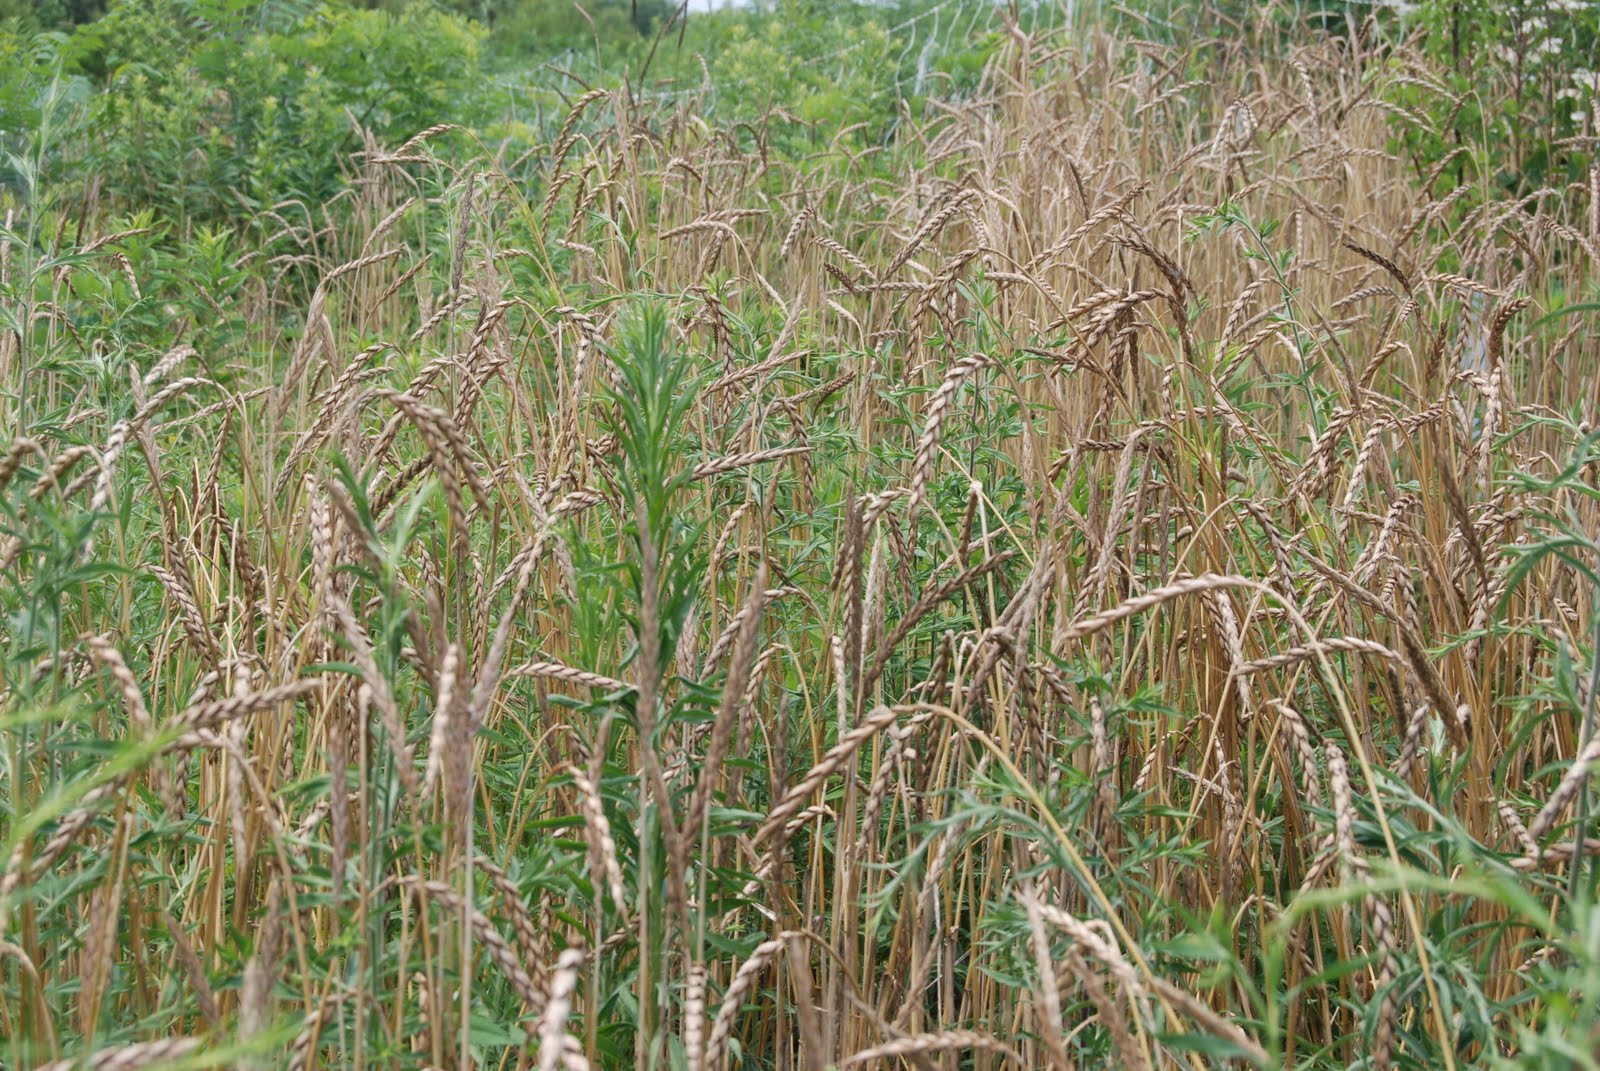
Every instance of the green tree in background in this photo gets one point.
(49, 14)
(210, 105)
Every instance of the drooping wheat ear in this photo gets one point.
(1383, 262)
(1508, 815)
(694, 1015)
(1222, 612)
(533, 990)
(76, 821)
(1411, 747)
(107, 655)
(331, 404)
(1352, 644)
(1497, 327)
(1594, 202)
(933, 877)
(704, 225)
(324, 547)
(183, 949)
(602, 845)
(1344, 811)
(940, 1041)
(1085, 626)
(968, 520)
(849, 586)
(109, 455)
(725, 537)
(1494, 402)
(529, 941)
(717, 466)
(1097, 945)
(1380, 916)
(733, 999)
(1318, 468)
(432, 369)
(129, 1057)
(400, 280)
(447, 448)
(795, 799)
(567, 136)
(211, 714)
(553, 1023)
(421, 136)
(1139, 243)
(306, 1039)
(117, 441)
(931, 598)
(383, 226)
(571, 674)
(20, 448)
(1214, 1022)
(1308, 754)
(1048, 1013)
(1236, 318)
(796, 229)
(843, 253)
(364, 261)
(1374, 554)
(519, 565)
(489, 673)
(1566, 790)
(444, 708)
(573, 503)
(930, 227)
(57, 470)
(1116, 518)
(261, 972)
(1111, 210)
(456, 770)
(1113, 1016)
(1358, 471)
(894, 759)
(1231, 833)
(180, 588)
(939, 407)
(1463, 517)
(1107, 313)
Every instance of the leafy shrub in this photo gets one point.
(832, 66)
(1537, 61)
(30, 74)
(49, 14)
(264, 102)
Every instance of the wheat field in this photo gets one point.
(1119, 593)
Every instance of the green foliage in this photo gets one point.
(265, 101)
(529, 27)
(845, 73)
(33, 85)
(655, 398)
(34, 15)
(1536, 60)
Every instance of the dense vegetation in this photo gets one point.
(940, 535)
